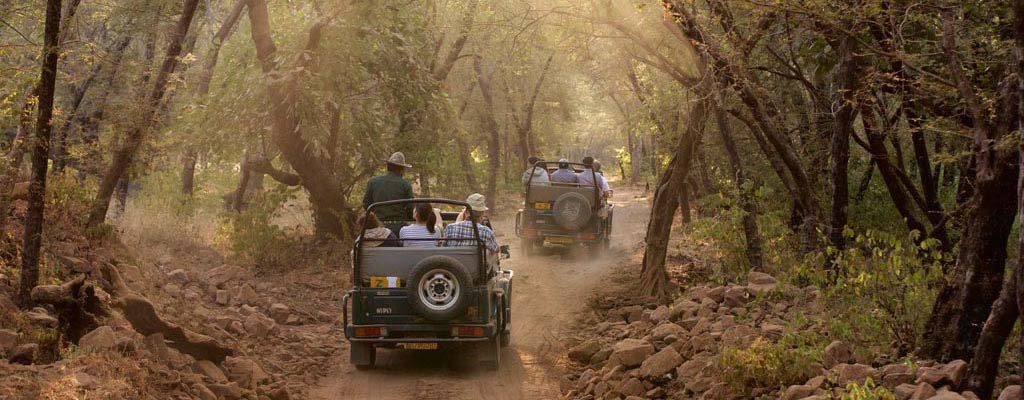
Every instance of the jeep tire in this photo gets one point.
(572, 211)
(438, 287)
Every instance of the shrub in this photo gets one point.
(254, 237)
(868, 391)
(765, 364)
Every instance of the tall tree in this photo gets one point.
(490, 126)
(124, 155)
(40, 155)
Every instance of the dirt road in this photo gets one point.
(550, 289)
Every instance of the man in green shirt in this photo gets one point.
(390, 186)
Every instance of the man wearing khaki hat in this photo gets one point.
(390, 186)
(463, 226)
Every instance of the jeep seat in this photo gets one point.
(399, 261)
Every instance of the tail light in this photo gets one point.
(371, 332)
(587, 236)
(529, 232)
(468, 331)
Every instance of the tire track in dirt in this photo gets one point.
(549, 290)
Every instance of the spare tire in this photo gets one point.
(572, 210)
(437, 288)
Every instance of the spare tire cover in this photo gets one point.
(572, 210)
(438, 287)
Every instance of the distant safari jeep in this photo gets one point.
(564, 214)
(424, 297)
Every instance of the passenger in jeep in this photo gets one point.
(564, 174)
(376, 233)
(540, 175)
(424, 228)
(463, 226)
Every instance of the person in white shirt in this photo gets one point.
(425, 227)
(590, 172)
(607, 190)
(540, 174)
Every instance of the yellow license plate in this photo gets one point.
(560, 239)
(542, 206)
(420, 346)
(385, 282)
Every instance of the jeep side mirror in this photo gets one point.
(504, 252)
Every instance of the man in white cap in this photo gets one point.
(463, 226)
(390, 186)
(564, 174)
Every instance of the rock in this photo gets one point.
(7, 340)
(837, 352)
(631, 387)
(130, 273)
(245, 372)
(221, 275)
(246, 295)
(601, 356)
(229, 391)
(664, 330)
(173, 289)
(717, 294)
(761, 282)
(846, 374)
(682, 308)
(100, 339)
(280, 312)
(946, 395)
(258, 325)
(736, 297)
(83, 380)
(797, 392)
(969, 395)
(931, 375)
(691, 368)
(772, 331)
(203, 392)
(955, 372)
(896, 369)
(24, 354)
(178, 276)
(210, 370)
(1012, 392)
(891, 381)
(904, 391)
(222, 297)
(630, 352)
(39, 316)
(660, 363)
(583, 352)
(660, 314)
(816, 382)
(192, 294)
(923, 391)
(601, 388)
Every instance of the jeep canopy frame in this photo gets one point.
(357, 251)
(544, 164)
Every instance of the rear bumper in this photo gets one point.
(420, 333)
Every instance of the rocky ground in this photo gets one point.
(636, 349)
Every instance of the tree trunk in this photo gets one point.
(654, 279)
(847, 80)
(40, 156)
(635, 157)
(325, 194)
(126, 153)
(865, 180)
(749, 220)
(490, 125)
(188, 168)
(985, 365)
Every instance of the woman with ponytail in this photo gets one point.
(424, 228)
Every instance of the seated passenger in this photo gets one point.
(604, 182)
(540, 175)
(564, 174)
(591, 171)
(425, 227)
(376, 234)
(463, 226)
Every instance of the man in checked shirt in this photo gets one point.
(463, 227)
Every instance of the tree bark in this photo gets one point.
(985, 365)
(654, 278)
(490, 126)
(847, 80)
(126, 153)
(749, 219)
(40, 155)
(188, 168)
(524, 129)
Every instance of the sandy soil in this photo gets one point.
(550, 289)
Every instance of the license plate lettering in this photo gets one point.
(420, 346)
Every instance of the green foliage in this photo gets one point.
(868, 391)
(254, 236)
(792, 360)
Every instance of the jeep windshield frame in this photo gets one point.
(544, 164)
(357, 250)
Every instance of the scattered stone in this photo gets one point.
(660, 314)
(904, 391)
(583, 352)
(690, 368)
(761, 282)
(84, 380)
(660, 363)
(772, 331)
(931, 375)
(229, 391)
(630, 352)
(797, 392)
(736, 297)
(664, 330)
(923, 391)
(717, 294)
(222, 297)
(173, 289)
(39, 316)
(246, 295)
(837, 352)
(24, 354)
(955, 371)
(210, 370)
(7, 340)
(846, 374)
(178, 276)
(631, 387)
(1012, 392)
(280, 312)
(245, 372)
(203, 392)
(258, 325)
(892, 381)
(947, 395)
(221, 275)
(601, 356)
(100, 339)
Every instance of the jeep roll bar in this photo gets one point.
(358, 248)
(543, 164)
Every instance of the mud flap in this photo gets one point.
(489, 353)
(363, 355)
